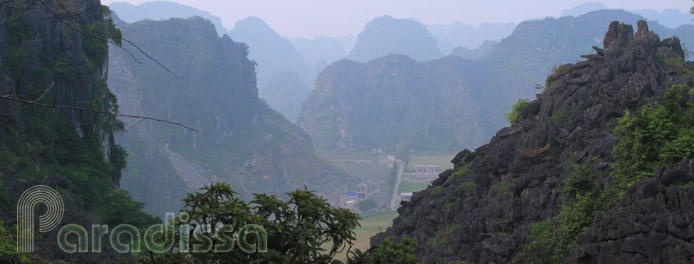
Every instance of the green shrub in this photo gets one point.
(672, 63)
(501, 189)
(449, 205)
(557, 72)
(582, 198)
(467, 187)
(547, 244)
(558, 116)
(437, 190)
(387, 252)
(659, 133)
(461, 173)
(516, 110)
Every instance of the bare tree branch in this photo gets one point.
(12, 98)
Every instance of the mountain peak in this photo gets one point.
(387, 35)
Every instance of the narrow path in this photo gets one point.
(394, 199)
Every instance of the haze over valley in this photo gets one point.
(351, 132)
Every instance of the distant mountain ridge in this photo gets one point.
(336, 110)
(671, 18)
(458, 34)
(387, 35)
(162, 10)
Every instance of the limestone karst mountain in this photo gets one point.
(386, 35)
(241, 140)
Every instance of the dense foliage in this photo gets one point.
(660, 133)
(304, 229)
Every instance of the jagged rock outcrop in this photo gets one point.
(652, 224)
(618, 36)
(515, 180)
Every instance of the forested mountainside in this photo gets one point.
(593, 170)
(241, 140)
(333, 114)
(386, 35)
(55, 56)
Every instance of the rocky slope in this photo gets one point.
(241, 141)
(483, 212)
(386, 35)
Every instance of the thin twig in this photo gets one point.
(12, 98)
(138, 122)
(44, 92)
(38, 163)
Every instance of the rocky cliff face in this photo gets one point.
(240, 141)
(483, 211)
(55, 53)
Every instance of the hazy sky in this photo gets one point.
(308, 18)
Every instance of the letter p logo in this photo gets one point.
(25, 214)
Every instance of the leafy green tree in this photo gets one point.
(304, 229)
(389, 251)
